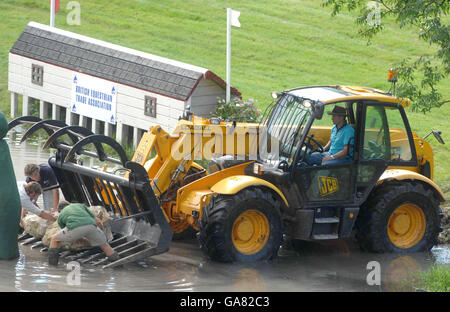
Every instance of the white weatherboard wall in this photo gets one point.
(205, 96)
(57, 81)
(57, 91)
(130, 109)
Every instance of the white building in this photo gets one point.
(103, 86)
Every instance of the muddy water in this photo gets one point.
(327, 266)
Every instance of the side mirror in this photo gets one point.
(318, 109)
(275, 95)
(437, 135)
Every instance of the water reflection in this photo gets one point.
(327, 266)
(441, 254)
(184, 268)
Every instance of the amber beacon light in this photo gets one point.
(392, 75)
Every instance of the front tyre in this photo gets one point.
(243, 227)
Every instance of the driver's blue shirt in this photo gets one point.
(340, 138)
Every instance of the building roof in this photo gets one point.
(112, 62)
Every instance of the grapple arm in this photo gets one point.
(138, 224)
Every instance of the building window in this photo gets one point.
(150, 106)
(37, 75)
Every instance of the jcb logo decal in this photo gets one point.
(328, 185)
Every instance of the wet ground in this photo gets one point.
(328, 266)
(323, 267)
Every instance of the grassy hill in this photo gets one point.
(281, 44)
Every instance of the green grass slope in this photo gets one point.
(281, 44)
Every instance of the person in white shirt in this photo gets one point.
(29, 193)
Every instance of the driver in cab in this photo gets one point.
(338, 149)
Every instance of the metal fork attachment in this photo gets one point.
(139, 226)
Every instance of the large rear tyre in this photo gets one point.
(244, 227)
(399, 217)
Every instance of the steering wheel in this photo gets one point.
(308, 144)
(283, 165)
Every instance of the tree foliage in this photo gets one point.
(418, 76)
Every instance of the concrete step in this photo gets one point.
(325, 236)
(327, 220)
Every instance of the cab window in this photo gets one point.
(385, 135)
(400, 144)
(321, 129)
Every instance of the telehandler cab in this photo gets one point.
(255, 191)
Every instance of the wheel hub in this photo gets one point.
(250, 232)
(406, 226)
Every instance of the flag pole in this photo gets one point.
(52, 13)
(228, 54)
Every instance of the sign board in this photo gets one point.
(94, 97)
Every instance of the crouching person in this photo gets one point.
(77, 221)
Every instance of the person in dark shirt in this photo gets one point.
(44, 175)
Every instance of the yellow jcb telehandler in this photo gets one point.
(257, 189)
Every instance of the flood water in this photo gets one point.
(328, 266)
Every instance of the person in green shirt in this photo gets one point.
(77, 221)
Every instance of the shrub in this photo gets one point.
(237, 110)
